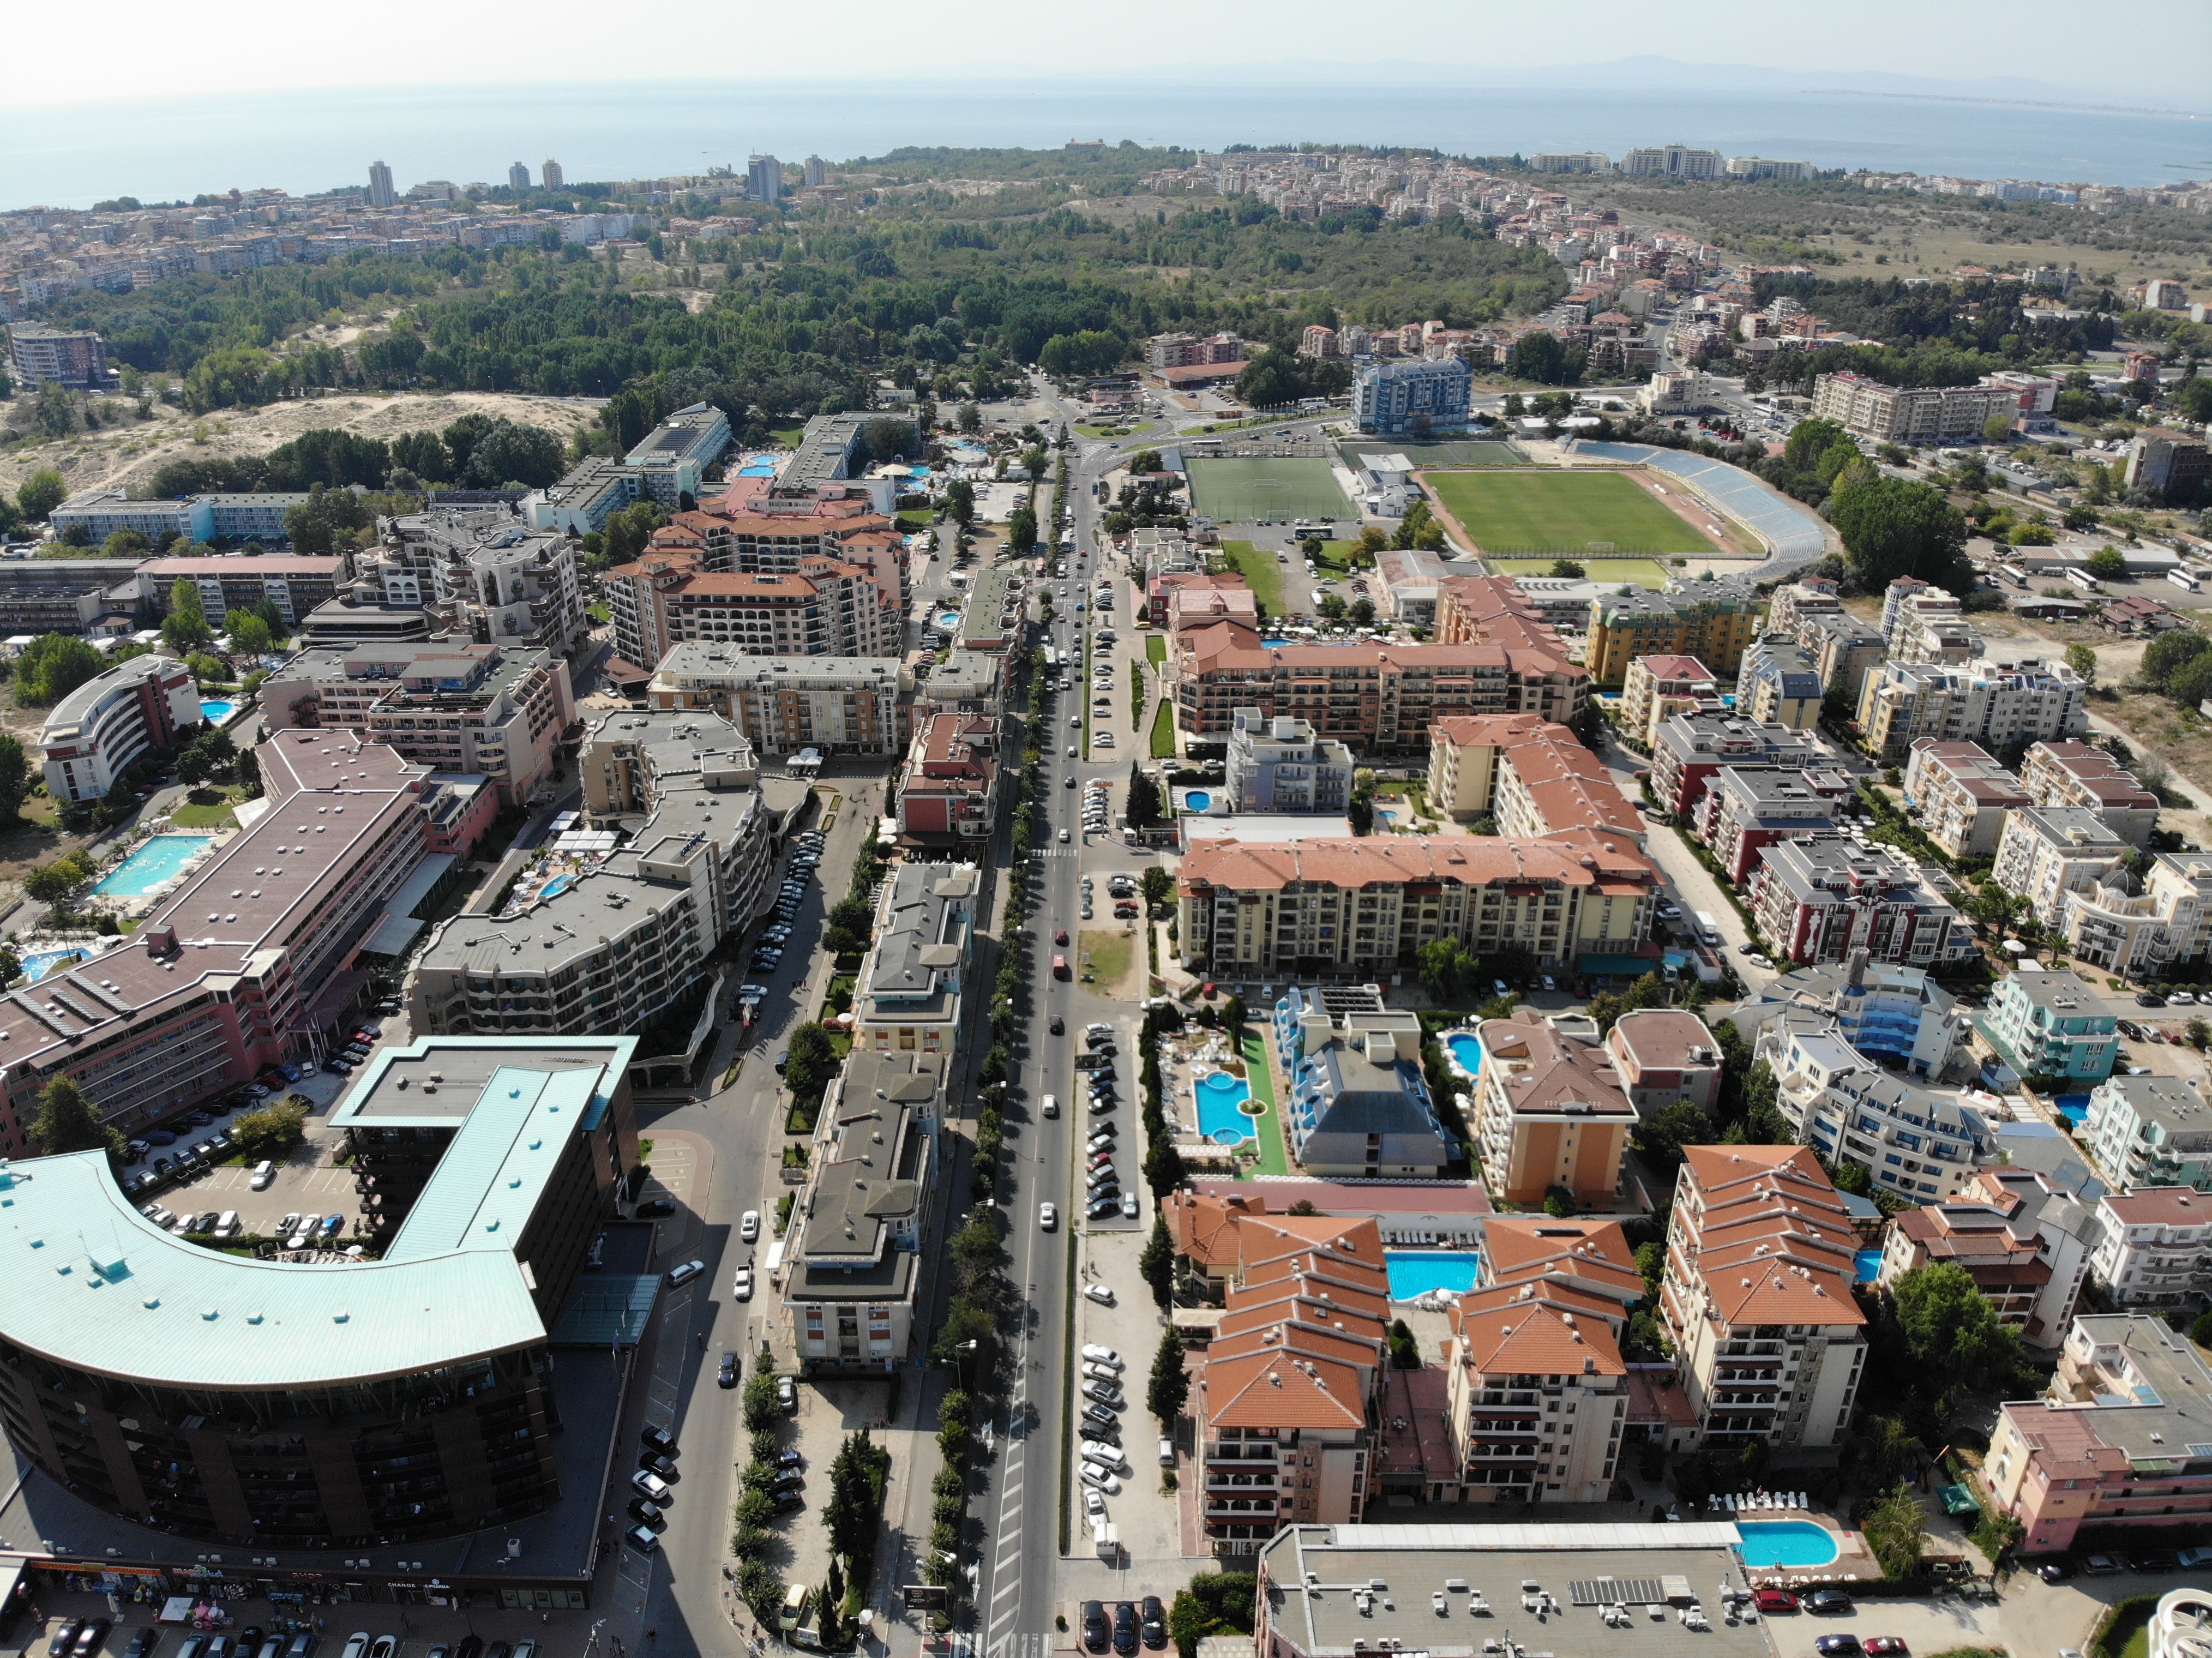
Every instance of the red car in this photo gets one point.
(1886, 1646)
(1060, 936)
(1776, 1601)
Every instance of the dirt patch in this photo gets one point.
(1116, 959)
(127, 456)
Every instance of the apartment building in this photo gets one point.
(1531, 777)
(824, 606)
(1919, 1144)
(2110, 1444)
(1693, 749)
(120, 715)
(1757, 1297)
(295, 583)
(1960, 796)
(2173, 465)
(1910, 415)
(100, 513)
(2045, 852)
(907, 999)
(2140, 925)
(1526, 612)
(626, 940)
(485, 574)
(497, 711)
(1780, 683)
(1844, 651)
(1357, 1105)
(1673, 161)
(2064, 774)
(1819, 900)
(853, 1252)
(1361, 908)
(1994, 704)
(1746, 809)
(1793, 604)
(1896, 1015)
(1549, 1111)
(1714, 622)
(1398, 399)
(1664, 1057)
(72, 357)
(1551, 1305)
(2154, 1247)
(1285, 1406)
(949, 794)
(1188, 351)
(2048, 1023)
(837, 705)
(628, 760)
(64, 595)
(2149, 1132)
(2024, 1241)
(634, 591)
(1279, 765)
(244, 964)
(1378, 697)
(1655, 689)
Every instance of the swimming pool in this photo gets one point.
(2075, 1107)
(1868, 1262)
(155, 862)
(1785, 1543)
(215, 710)
(1197, 800)
(1415, 1272)
(41, 963)
(757, 469)
(1463, 1047)
(1220, 1097)
(555, 885)
(948, 618)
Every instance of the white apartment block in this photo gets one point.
(1923, 1146)
(2047, 852)
(2080, 774)
(2137, 926)
(2155, 1248)
(838, 705)
(114, 718)
(1995, 704)
(1757, 1297)
(1910, 415)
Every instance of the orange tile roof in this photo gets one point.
(1227, 645)
(1538, 1070)
(1205, 1226)
(1279, 1391)
(1769, 1238)
(1533, 1339)
(1577, 858)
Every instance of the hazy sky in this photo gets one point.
(2155, 51)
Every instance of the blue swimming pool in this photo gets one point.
(40, 962)
(1462, 1046)
(1868, 1262)
(1197, 800)
(757, 469)
(2075, 1107)
(1220, 1119)
(1785, 1543)
(155, 862)
(1415, 1272)
(948, 618)
(557, 884)
(216, 710)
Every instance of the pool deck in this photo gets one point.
(1853, 1562)
(1267, 1127)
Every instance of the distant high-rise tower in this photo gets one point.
(763, 178)
(548, 175)
(518, 177)
(381, 192)
(817, 170)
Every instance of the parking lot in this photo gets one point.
(1146, 1516)
(2030, 1618)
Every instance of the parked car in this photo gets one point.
(1775, 1601)
(1837, 1646)
(1125, 1627)
(686, 1272)
(1096, 1631)
(1095, 1354)
(727, 1375)
(653, 1207)
(1887, 1646)
(1153, 1623)
(1827, 1600)
(641, 1538)
(786, 1394)
(741, 1286)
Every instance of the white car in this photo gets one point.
(1094, 1503)
(1099, 1293)
(1096, 1355)
(1091, 1475)
(264, 1175)
(1094, 1372)
(741, 1287)
(1063, 837)
(1048, 1215)
(749, 1228)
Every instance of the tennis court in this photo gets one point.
(1270, 489)
(1565, 514)
(1609, 572)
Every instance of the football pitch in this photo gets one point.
(1563, 515)
(1267, 489)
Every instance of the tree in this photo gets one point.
(1665, 1133)
(1170, 1382)
(249, 634)
(1144, 802)
(1157, 885)
(1216, 1603)
(1157, 1265)
(2164, 655)
(328, 521)
(2106, 563)
(1892, 528)
(2197, 1033)
(2082, 658)
(52, 666)
(208, 757)
(1362, 613)
(1020, 531)
(1568, 569)
(65, 1123)
(629, 530)
(1651, 1263)
(761, 1411)
(270, 1130)
(1448, 969)
(846, 928)
(1953, 1333)
(1405, 1351)
(813, 1061)
(14, 777)
(1893, 1527)
(186, 628)
(40, 492)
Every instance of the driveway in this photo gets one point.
(2032, 1619)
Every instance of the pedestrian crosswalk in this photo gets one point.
(1019, 1646)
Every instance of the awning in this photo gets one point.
(399, 925)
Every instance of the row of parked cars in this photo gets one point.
(81, 1637)
(1126, 1626)
(164, 1166)
(805, 859)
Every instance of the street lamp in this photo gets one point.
(960, 1366)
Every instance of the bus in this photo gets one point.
(2081, 579)
(2016, 573)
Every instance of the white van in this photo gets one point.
(1051, 1106)
(263, 1174)
(226, 1226)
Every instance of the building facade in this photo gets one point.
(1279, 765)
(1960, 796)
(859, 706)
(1398, 399)
(1821, 900)
(1713, 621)
(2049, 1023)
(120, 715)
(1910, 415)
(1549, 1111)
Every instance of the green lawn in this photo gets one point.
(204, 818)
(1644, 572)
(1164, 738)
(1268, 1124)
(1156, 649)
(788, 436)
(1261, 573)
(1562, 514)
(1277, 490)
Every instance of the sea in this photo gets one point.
(174, 149)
